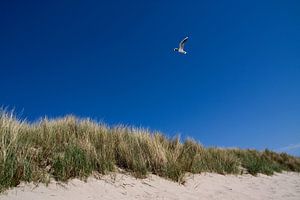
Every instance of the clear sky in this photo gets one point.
(238, 86)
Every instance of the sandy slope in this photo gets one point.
(205, 186)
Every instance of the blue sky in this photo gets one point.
(238, 86)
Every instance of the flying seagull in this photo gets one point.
(181, 46)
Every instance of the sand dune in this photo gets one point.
(205, 186)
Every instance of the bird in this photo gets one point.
(181, 46)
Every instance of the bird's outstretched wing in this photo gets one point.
(182, 43)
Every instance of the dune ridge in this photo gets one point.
(69, 147)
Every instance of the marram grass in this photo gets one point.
(68, 147)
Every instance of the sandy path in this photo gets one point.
(205, 186)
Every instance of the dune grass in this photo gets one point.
(69, 147)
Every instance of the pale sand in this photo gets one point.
(207, 186)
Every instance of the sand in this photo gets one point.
(206, 186)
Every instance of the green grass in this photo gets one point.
(68, 147)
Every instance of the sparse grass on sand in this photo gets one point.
(68, 147)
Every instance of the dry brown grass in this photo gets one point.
(68, 147)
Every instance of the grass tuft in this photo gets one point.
(69, 147)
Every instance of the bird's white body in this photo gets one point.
(181, 46)
(180, 50)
